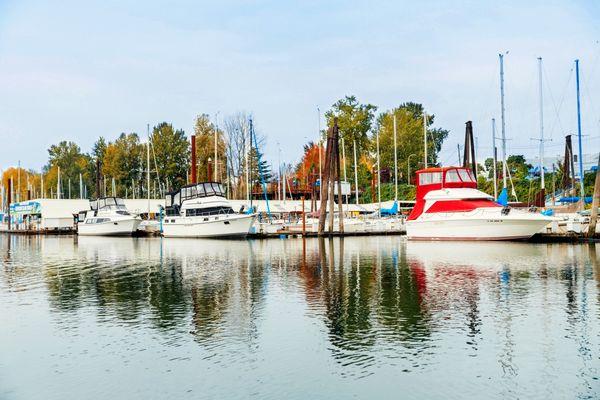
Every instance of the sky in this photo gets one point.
(77, 70)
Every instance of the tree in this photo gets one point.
(172, 151)
(205, 149)
(307, 170)
(354, 122)
(24, 183)
(72, 162)
(409, 138)
(123, 162)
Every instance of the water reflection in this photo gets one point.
(378, 306)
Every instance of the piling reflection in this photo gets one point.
(376, 300)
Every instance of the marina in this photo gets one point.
(298, 200)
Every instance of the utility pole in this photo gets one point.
(503, 119)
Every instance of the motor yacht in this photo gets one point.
(449, 207)
(201, 210)
(107, 216)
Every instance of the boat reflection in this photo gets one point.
(374, 299)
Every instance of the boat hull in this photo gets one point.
(220, 226)
(486, 226)
(115, 227)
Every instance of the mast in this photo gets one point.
(378, 177)
(248, 147)
(582, 194)
(148, 167)
(355, 173)
(216, 141)
(320, 157)
(80, 186)
(542, 183)
(425, 136)
(395, 161)
(495, 150)
(503, 119)
(58, 185)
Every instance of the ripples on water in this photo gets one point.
(374, 317)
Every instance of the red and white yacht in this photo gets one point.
(449, 207)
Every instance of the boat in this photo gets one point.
(449, 207)
(107, 216)
(201, 210)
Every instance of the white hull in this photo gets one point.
(481, 224)
(115, 227)
(230, 225)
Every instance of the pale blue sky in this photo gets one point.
(75, 70)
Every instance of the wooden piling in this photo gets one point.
(325, 193)
(595, 203)
(303, 218)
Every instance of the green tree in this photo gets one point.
(355, 120)
(409, 139)
(123, 162)
(172, 151)
(68, 157)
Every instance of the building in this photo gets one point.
(46, 214)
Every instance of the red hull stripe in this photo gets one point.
(460, 205)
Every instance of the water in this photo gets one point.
(97, 318)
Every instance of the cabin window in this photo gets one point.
(428, 178)
(452, 176)
(466, 175)
(209, 189)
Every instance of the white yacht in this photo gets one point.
(201, 210)
(107, 216)
(449, 207)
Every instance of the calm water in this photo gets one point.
(377, 317)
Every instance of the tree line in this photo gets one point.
(223, 153)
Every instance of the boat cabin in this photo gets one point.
(205, 198)
(463, 197)
(115, 204)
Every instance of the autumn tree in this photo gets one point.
(205, 149)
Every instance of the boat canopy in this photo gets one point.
(107, 202)
(198, 190)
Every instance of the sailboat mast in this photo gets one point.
(378, 176)
(495, 156)
(579, 131)
(542, 183)
(148, 167)
(355, 173)
(395, 161)
(425, 137)
(503, 119)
